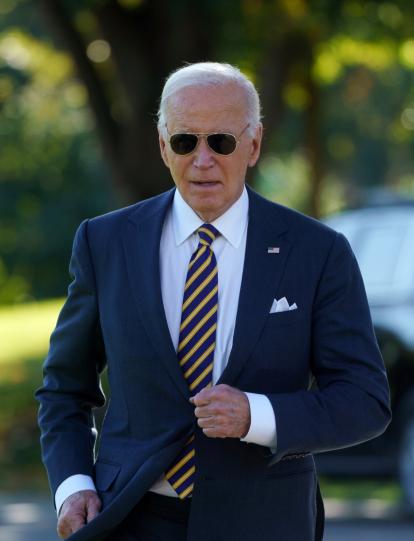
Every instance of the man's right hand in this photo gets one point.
(76, 511)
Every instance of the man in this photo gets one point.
(214, 310)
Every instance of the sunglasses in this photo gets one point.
(220, 143)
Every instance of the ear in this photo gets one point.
(256, 145)
(163, 148)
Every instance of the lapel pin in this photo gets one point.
(273, 250)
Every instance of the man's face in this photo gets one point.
(210, 183)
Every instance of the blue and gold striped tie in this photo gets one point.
(196, 343)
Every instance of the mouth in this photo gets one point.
(205, 183)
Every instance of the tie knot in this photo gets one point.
(207, 234)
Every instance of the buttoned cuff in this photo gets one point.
(69, 486)
(262, 429)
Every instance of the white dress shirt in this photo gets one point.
(179, 239)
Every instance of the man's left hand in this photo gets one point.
(222, 411)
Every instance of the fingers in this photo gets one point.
(222, 412)
(203, 398)
(65, 529)
(214, 432)
(207, 422)
(212, 394)
(214, 426)
(78, 509)
(69, 522)
(93, 506)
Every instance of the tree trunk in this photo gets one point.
(146, 44)
(313, 139)
(274, 74)
(107, 128)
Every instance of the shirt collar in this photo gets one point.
(231, 224)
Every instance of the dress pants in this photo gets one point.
(162, 518)
(155, 518)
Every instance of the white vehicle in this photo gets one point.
(382, 238)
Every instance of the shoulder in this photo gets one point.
(297, 225)
(310, 239)
(105, 231)
(114, 222)
(135, 212)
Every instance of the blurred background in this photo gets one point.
(79, 89)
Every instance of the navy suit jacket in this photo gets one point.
(114, 317)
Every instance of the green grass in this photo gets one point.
(25, 329)
(24, 341)
(360, 489)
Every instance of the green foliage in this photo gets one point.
(24, 338)
(51, 176)
(340, 75)
(20, 465)
(362, 66)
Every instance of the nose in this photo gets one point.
(203, 155)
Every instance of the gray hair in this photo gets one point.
(205, 74)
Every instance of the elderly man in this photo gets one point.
(214, 311)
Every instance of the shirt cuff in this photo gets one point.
(262, 429)
(69, 486)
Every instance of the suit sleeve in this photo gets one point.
(71, 386)
(351, 402)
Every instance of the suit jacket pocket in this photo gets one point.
(290, 465)
(283, 318)
(105, 474)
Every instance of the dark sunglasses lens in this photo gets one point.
(222, 143)
(183, 143)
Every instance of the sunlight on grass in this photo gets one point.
(361, 489)
(25, 329)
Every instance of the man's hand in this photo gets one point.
(77, 510)
(222, 411)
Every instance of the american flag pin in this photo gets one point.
(273, 250)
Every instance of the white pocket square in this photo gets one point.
(282, 305)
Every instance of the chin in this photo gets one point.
(210, 214)
(203, 207)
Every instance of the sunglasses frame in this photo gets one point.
(206, 136)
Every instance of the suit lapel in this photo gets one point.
(261, 274)
(141, 242)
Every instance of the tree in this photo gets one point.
(285, 46)
(51, 176)
(145, 40)
(149, 39)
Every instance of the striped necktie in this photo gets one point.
(196, 343)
